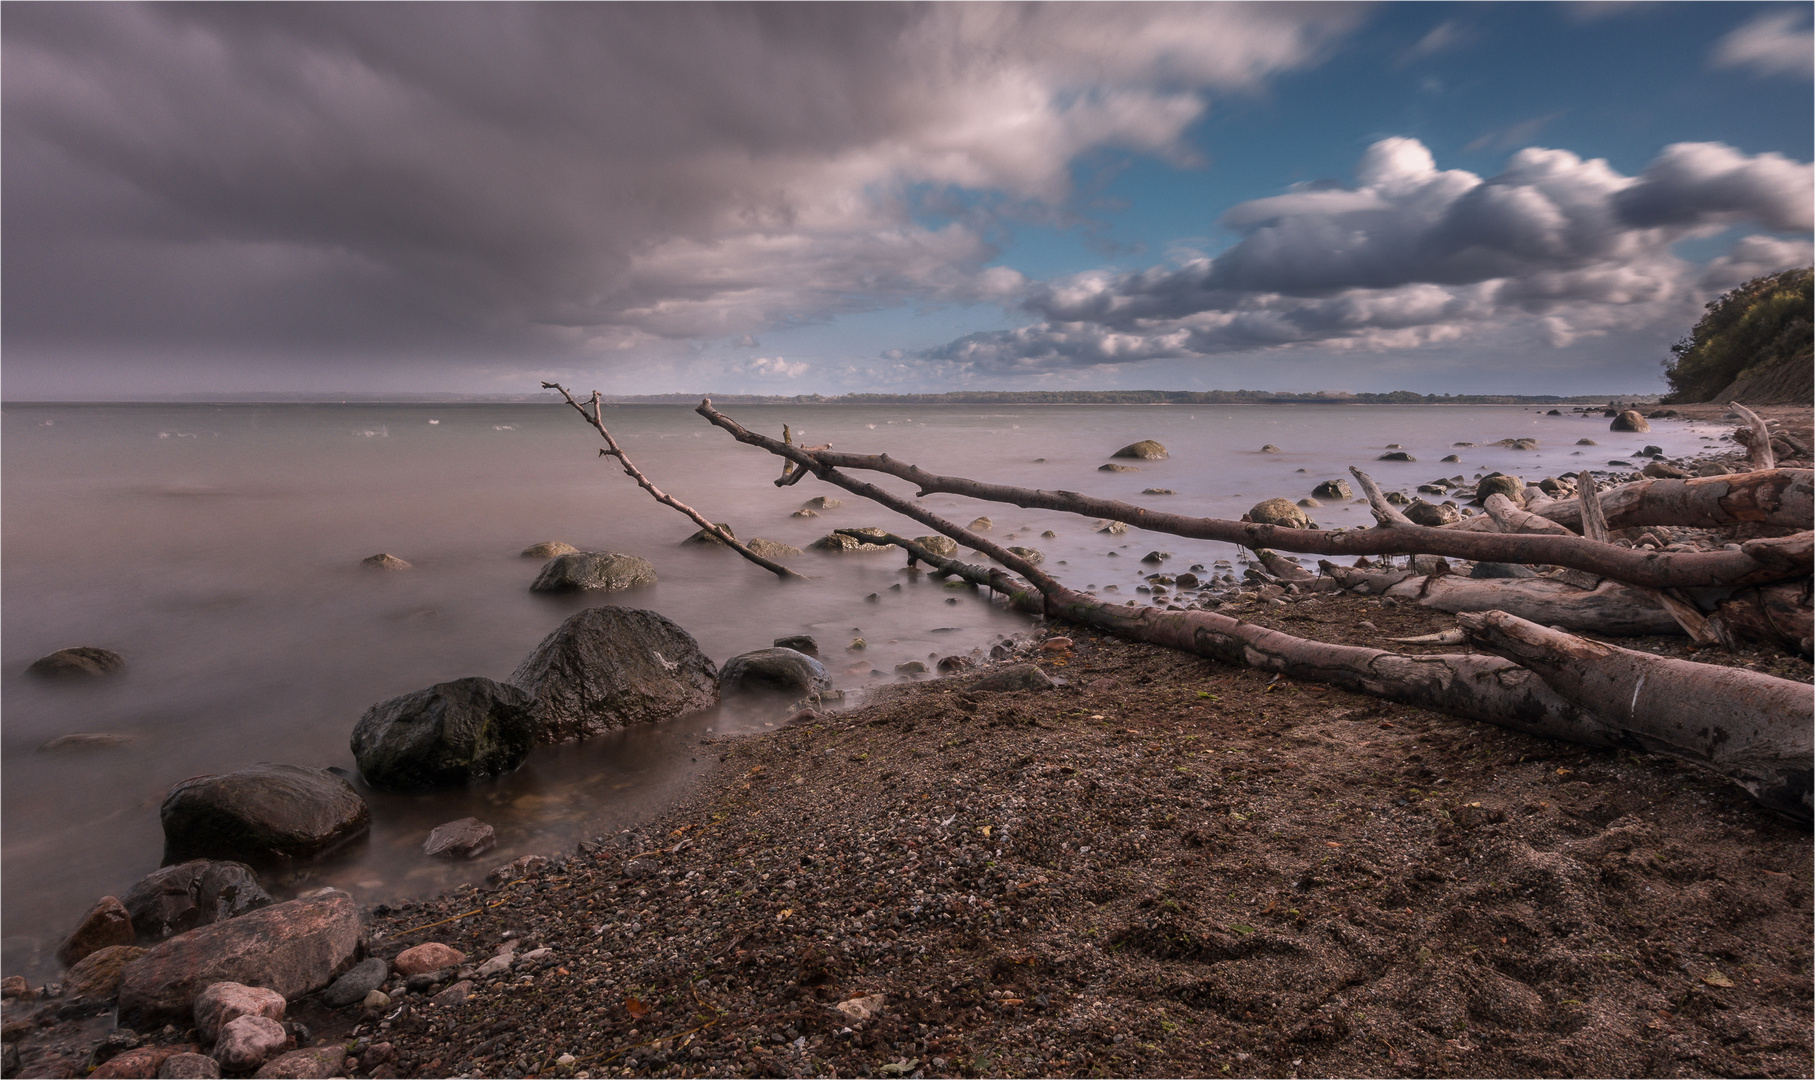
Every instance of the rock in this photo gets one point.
(1154, 558)
(955, 663)
(454, 994)
(1712, 468)
(446, 736)
(266, 813)
(1016, 677)
(1430, 564)
(1308, 503)
(821, 502)
(842, 544)
(1032, 555)
(773, 671)
(1113, 528)
(85, 740)
(515, 869)
(466, 838)
(1451, 457)
(106, 923)
(357, 984)
(708, 538)
(1333, 489)
(314, 1063)
(1586, 442)
(377, 999)
(1664, 471)
(143, 1061)
(189, 1067)
(1281, 512)
(982, 524)
(96, 977)
(804, 514)
(800, 643)
(1517, 444)
(1501, 570)
(292, 949)
(221, 1003)
(191, 894)
(1554, 412)
(1158, 491)
(609, 667)
(1556, 487)
(1434, 514)
(1113, 467)
(1145, 450)
(590, 570)
(246, 1042)
(426, 957)
(1652, 451)
(1501, 484)
(912, 667)
(81, 662)
(1629, 421)
(1187, 580)
(548, 549)
(13, 986)
(1397, 498)
(1269, 448)
(1396, 455)
(772, 549)
(383, 561)
(939, 545)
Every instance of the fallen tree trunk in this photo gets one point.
(1751, 727)
(1611, 608)
(1486, 688)
(1780, 498)
(1654, 569)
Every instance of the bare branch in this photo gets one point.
(597, 419)
(1758, 447)
(1384, 512)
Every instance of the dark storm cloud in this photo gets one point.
(569, 179)
(1412, 255)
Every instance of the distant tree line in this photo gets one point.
(1133, 397)
(1747, 332)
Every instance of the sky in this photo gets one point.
(828, 198)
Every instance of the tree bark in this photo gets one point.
(1751, 727)
(1781, 498)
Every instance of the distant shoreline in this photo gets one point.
(960, 397)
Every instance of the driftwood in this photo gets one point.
(1758, 441)
(1566, 702)
(1611, 608)
(1758, 562)
(611, 449)
(1779, 498)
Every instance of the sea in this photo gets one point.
(218, 549)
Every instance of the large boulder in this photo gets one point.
(1283, 512)
(447, 736)
(1145, 450)
(293, 948)
(191, 894)
(773, 671)
(267, 813)
(1629, 421)
(610, 667)
(81, 662)
(588, 570)
(107, 923)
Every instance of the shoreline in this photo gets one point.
(900, 741)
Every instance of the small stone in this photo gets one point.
(222, 1003)
(1396, 455)
(426, 957)
(1586, 442)
(912, 667)
(377, 999)
(144, 1061)
(383, 561)
(107, 923)
(359, 982)
(1151, 491)
(709, 538)
(13, 986)
(467, 838)
(247, 1042)
(982, 524)
(189, 1067)
(1271, 449)
(821, 502)
(314, 1063)
(804, 514)
(1017, 677)
(454, 994)
(861, 1008)
(81, 662)
(548, 549)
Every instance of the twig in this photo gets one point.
(612, 449)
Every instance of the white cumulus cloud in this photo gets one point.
(1775, 43)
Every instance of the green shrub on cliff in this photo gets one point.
(1761, 324)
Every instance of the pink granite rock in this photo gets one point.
(141, 1064)
(97, 976)
(224, 1002)
(426, 957)
(315, 1063)
(247, 1042)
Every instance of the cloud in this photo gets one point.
(771, 367)
(1554, 247)
(1780, 43)
(561, 180)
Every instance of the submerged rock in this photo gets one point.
(773, 671)
(191, 894)
(80, 662)
(448, 735)
(467, 838)
(548, 549)
(709, 538)
(1396, 455)
(939, 545)
(1283, 512)
(1032, 555)
(292, 949)
(843, 544)
(1433, 514)
(384, 560)
(1145, 450)
(800, 643)
(1333, 489)
(1629, 421)
(772, 549)
(267, 813)
(588, 570)
(1114, 467)
(1500, 484)
(610, 667)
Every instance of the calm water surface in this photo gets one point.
(217, 548)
